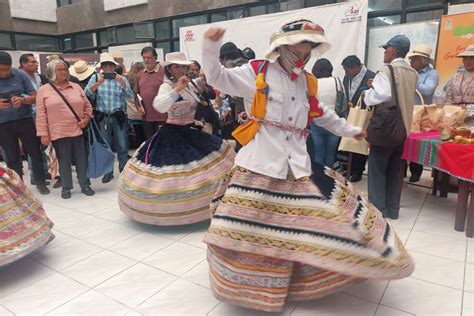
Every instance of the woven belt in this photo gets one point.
(300, 131)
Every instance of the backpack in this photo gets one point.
(341, 100)
(247, 131)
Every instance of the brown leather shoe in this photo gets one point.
(42, 189)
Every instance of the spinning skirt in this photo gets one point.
(172, 177)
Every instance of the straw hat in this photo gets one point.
(106, 58)
(468, 52)
(178, 58)
(81, 70)
(423, 51)
(296, 31)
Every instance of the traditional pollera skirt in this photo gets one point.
(172, 177)
(24, 226)
(273, 240)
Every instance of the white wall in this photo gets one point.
(110, 5)
(40, 10)
(460, 8)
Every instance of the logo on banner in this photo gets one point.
(189, 36)
(352, 14)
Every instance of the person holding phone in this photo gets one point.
(16, 121)
(110, 90)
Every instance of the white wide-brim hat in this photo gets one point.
(296, 31)
(423, 51)
(106, 58)
(177, 58)
(468, 52)
(81, 70)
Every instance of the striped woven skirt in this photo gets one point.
(24, 226)
(172, 177)
(272, 240)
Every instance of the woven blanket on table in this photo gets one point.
(456, 160)
(419, 148)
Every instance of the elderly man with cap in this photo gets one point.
(109, 90)
(428, 78)
(281, 231)
(461, 86)
(384, 161)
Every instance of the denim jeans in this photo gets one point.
(109, 126)
(45, 163)
(325, 145)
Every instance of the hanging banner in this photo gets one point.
(344, 24)
(456, 32)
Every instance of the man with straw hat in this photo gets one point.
(420, 60)
(461, 86)
(428, 78)
(82, 71)
(281, 231)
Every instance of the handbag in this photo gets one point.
(100, 160)
(100, 157)
(359, 117)
(341, 100)
(386, 128)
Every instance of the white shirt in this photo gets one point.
(273, 150)
(327, 92)
(382, 88)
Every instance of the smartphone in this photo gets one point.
(109, 75)
(6, 96)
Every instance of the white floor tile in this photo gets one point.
(370, 290)
(63, 255)
(136, 284)
(5, 312)
(436, 226)
(141, 246)
(60, 216)
(177, 258)
(180, 298)
(402, 233)
(387, 311)
(199, 274)
(21, 274)
(405, 220)
(60, 238)
(435, 245)
(470, 251)
(441, 208)
(195, 238)
(469, 278)
(224, 309)
(422, 298)
(91, 303)
(113, 214)
(438, 270)
(82, 227)
(98, 268)
(87, 204)
(43, 296)
(468, 304)
(110, 235)
(336, 304)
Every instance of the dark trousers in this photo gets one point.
(358, 163)
(384, 179)
(24, 130)
(69, 149)
(416, 169)
(150, 128)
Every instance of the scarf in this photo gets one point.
(354, 83)
(291, 63)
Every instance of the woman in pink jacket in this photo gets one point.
(56, 123)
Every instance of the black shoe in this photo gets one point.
(355, 178)
(414, 178)
(57, 184)
(48, 176)
(66, 194)
(107, 178)
(87, 191)
(42, 189)
(34, 182)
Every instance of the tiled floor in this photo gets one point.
(102, 263)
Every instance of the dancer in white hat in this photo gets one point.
(280, 232)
